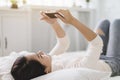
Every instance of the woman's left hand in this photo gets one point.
(47, 19)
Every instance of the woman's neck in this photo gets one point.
(49, 67)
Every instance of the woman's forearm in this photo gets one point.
(62, 40)
(60, 33)
(87, 33)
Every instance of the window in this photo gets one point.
(66, 3)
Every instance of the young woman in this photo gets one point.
(31, 66)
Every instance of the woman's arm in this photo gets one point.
(62, 39)
(60, 33)
(95, 47)
(55, 25)
(88, 33)
(69, 19)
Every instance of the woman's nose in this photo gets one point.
(41, 53)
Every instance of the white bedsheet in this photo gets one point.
(115, 78)
(68, 74)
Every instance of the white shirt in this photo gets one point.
(90, 60)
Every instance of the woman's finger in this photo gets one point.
(60, 17)
(43, 18)
(44, 15)
(62, 11)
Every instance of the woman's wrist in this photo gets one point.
(55, 24)
(58, 30)
(73, 21)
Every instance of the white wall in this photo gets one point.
(108, 9)
(43, 37)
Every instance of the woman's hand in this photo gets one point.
(47, 19)
(66, 16)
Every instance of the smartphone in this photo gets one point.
(52, 15)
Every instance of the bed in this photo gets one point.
(68, 74)
(79, 74)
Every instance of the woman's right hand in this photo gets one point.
(66, 16)
(47, 19)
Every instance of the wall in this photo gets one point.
(43, 37)
(108, 9)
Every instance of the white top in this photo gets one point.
(90, 60)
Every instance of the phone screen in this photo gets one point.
(51, 15)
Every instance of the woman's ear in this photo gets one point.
(47, 70)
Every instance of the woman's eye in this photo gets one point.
(40, 56)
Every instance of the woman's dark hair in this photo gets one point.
(23, 69)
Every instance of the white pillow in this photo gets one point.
(75, 74)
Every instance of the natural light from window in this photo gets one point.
(65, 3)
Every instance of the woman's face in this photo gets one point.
(41, 57)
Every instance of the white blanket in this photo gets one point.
(67, 74)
